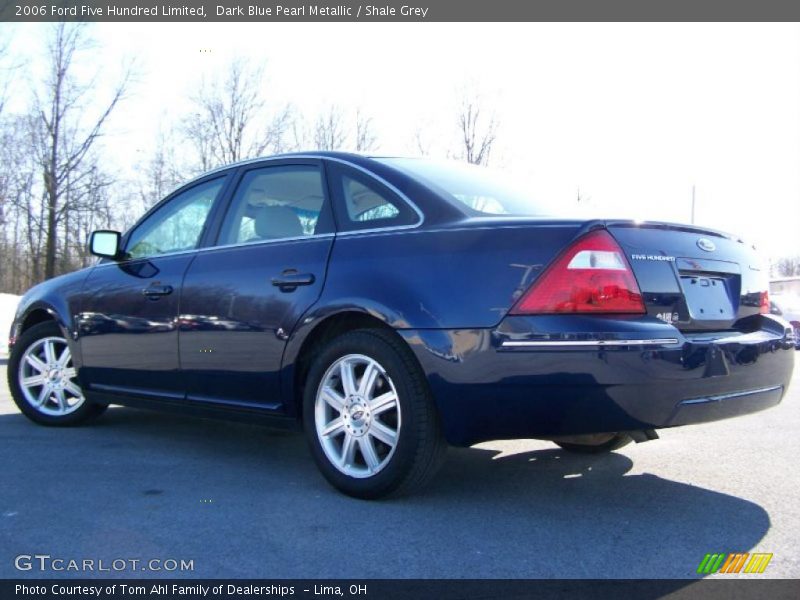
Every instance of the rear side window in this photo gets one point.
(274, 203)
(367, 204)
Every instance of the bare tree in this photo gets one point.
(4, 79)
(365, 138)
(231, 121)
(330, 130)
(297, 134)
(52, 188)
(787, 266)
(160, 173)
(421, 144)
(477, 131)
(10, 68)
(21, 226)
(5, 72)
(63, 143)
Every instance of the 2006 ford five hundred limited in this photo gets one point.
(393, 306)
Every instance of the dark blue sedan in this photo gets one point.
(393, 306)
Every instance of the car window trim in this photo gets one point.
(397, 197)
(334, 159)
(233, 174)
(215, 230)
(295, 239)
(392, 189)
(223, 193)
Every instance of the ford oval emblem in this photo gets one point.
(706, 245)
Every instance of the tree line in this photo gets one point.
(787, 266)
(56, 186)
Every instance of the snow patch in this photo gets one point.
(8, 307)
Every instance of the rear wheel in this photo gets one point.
(43, 380)
(369, 417)
(597, 444)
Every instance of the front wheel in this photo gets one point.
(43, 380)
(369, 417)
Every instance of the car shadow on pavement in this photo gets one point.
(243, 500)
(588, 513)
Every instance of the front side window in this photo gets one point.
(176, 226)
(274, 203)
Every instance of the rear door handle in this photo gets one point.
(290, 279)
(154, 292)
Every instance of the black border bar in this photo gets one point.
(397, 10)
(739, 588)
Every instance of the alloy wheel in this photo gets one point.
(47, 377)
(357, 416)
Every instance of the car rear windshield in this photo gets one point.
(481, 190)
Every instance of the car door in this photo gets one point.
(242, 298)
(128, 322)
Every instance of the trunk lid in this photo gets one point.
(696, 279)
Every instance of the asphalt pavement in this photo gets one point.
(244, 501)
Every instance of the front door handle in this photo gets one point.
(154, 292)
(290, 279)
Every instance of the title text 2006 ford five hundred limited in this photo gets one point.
(394, 306)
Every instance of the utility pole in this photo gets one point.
(692, 204)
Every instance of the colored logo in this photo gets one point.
(736, 562)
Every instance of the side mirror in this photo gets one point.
(105, 244)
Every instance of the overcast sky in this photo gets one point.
(632, 115)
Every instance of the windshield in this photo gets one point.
(480, 189)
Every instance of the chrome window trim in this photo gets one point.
(259, 242)
(373, 230)
(585, 343)
(352, 165)
(153, 210)
(378, 178)
(298, 238)
(253, 161)
(394, 190)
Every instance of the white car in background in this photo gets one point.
(788, 307)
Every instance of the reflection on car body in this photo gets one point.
(393, 306)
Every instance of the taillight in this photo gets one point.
(592, 276)
(764, 306)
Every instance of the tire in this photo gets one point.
(350, 433)
(58, 400)
(615, 442)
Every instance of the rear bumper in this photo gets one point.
(528, 379)
(724, 406)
